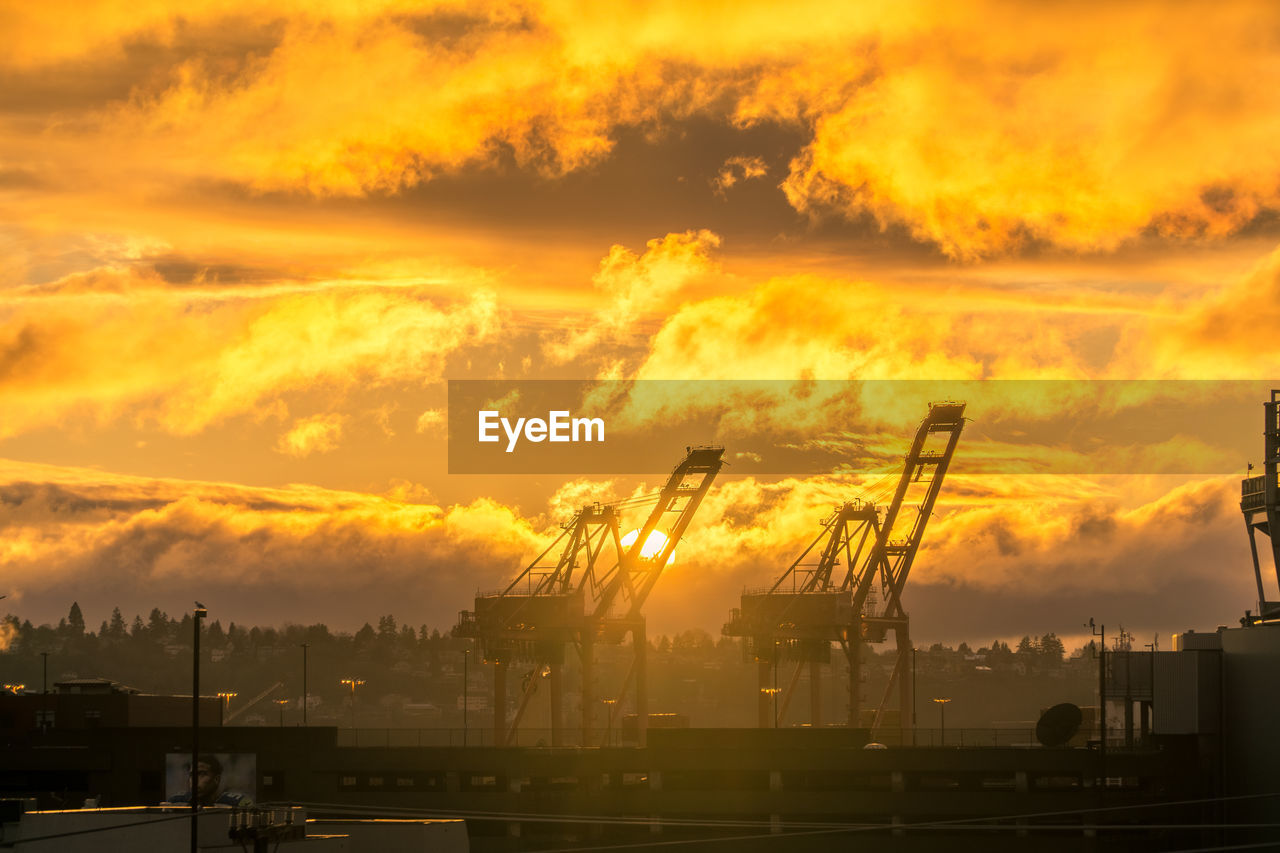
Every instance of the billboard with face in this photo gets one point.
(222, 778)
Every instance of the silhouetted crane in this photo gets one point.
(592, 593)
(852, 594)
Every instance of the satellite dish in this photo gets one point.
(1059, 724)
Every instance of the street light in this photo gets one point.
(353, 683)
(198, 613)
(226, 698)
(608, 720)
(913, 695)
(942, 709)
(1100, 631)
(773, 691)
(280, 703)
(14, 688)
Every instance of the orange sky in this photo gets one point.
(243, 244)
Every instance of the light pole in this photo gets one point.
(196, 615)
(608, 720)
(305, 701)
(772, 691)
(913, 695)
(1100, 631)
(353, 683)
(226, 698)
(280, 703)
(466, 691)
(942, 708)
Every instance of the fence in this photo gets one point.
(535, 737)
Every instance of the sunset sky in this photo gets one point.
(243, 245)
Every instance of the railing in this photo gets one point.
(957, 738)
(477, 736)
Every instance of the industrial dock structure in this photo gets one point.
(1183, 757)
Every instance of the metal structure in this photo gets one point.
(586, 588)
(1260, 503)
(851, 593)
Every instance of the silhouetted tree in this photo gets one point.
(116, 630)
(1051, 649)
(75, 620)
(158, 626)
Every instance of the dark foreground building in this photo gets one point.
(1189, 764)
(791, 789)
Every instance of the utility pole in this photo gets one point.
(196, 615)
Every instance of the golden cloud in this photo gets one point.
(979, 129)
(73, 527)
(737, 170)
(119, 342)
(636, 286)
(316, 434)
(1225, 335)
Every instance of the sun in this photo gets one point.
(652, 546)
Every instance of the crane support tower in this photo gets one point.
(845, 588)
(1260, 503)
(587, 588)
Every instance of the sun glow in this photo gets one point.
(653, 545)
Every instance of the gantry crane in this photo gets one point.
(576, 601)
(851, 592)
(1260, 503)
